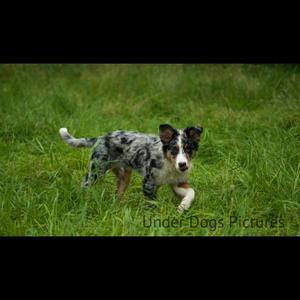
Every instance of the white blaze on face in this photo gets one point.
(181, 156)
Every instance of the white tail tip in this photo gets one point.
(63, 132)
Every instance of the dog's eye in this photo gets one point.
(174, 151)
(188, 150)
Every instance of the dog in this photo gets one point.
(163, 159)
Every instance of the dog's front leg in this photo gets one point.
(149, 187)
(187, 194)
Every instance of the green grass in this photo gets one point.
(248, 164)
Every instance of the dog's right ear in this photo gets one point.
(167, 133)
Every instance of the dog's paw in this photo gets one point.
(181, 209)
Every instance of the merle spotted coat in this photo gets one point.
(163, 159)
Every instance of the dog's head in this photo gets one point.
(180, 145)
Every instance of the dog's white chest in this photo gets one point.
(169, 175)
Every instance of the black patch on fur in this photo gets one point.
(136, 162)
(125, 141)
(165, 148)
(156, 163)
(96, 155)
(149, 187)
(147, 154)
(140, 157)
(92, 140)
(153, 163)
(119, 150)
(172, 146)
(174, 150)
(107, 141)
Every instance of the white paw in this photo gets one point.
(181, 208)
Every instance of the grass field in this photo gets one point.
(248, 165)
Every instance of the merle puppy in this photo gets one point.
(160, 160)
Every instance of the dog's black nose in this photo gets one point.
(182, 166)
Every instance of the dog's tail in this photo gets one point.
(74, 142)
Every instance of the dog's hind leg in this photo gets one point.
(97, 169)
(99, 165)
(123, 179)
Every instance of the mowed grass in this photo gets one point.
(248, 164)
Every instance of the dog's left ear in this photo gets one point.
(194, 133)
